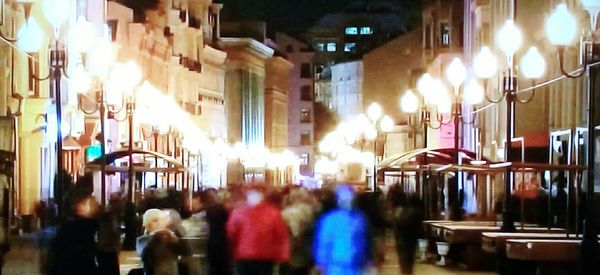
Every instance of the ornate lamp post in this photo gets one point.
(532, 67)
(30, 38)
(121, 80)
(385, 124)
(561, 28)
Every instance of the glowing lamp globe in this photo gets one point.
(56, 12)
(101, 58)
(485, 63)
(509, 38)
(561, 26)
(82, 36)
(533, 64)
(473, 93)
(456, 72)
(444, 106)
(80, 80)
(30, 36)
(409, 103)
(374, 111)
(424, 83)
(386, 124)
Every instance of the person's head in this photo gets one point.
(85, 207)
(344, 195)
(254, 197)
(155, 220)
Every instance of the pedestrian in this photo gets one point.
(109, 243)
(341, 241)
(217, 246)
(258, 236)
(299, 217)
(74, 247)
(408, 218)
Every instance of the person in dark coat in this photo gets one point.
(217, 247)
(408, 220)
(74, 247)
(109, 243)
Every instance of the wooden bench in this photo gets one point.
(540, 250)
(471, 234)
(465, 240)
(549, 257)
(495, 242)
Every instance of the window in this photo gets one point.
(366, 30)
(289, 48)
(306, 93)
(305, 138)
(445, 34)
(348, 47)
(351, 30)
(331, 47)
(319, 46)
(305, 71)
(305, 115)
(303, 159)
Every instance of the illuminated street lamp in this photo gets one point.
(385, 124)
(532, 65)
(30, 38)
(561, 28)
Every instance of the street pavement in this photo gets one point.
(23, 259)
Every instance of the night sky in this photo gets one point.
(290, 16)
(295, 16)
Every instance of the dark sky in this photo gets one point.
(295, 16)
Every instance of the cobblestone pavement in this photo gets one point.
(23, 259)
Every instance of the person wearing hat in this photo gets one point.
(154, 220)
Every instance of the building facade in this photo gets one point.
(300, 101)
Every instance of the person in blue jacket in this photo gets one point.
(341, 238)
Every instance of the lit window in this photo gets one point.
(349, 46)
(303, 159)
(366, 30)
(445, 29)
(331, 47)
(305, 115)
(320, 46)
(352, 30)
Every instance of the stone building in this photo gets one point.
(300, 101)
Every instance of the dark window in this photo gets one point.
(289, 49)
(306, 93)
(305, 115)
(445, 35)
(305, 71)
(305, 138)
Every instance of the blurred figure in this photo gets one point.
(154, 220)
(109, 243)
(408, 218)
(341, 244)
(74, 247)
(258, 236)
(299, 216)
(160, 248)
(217, 248)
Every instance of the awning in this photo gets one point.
(173, 165)
(434, 156)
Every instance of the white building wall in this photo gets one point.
(346, 83)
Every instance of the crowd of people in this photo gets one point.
(242, 230)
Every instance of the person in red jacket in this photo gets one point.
(258, 236)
